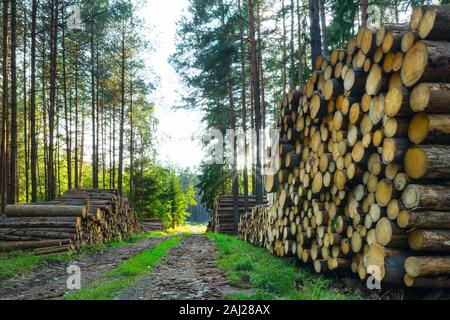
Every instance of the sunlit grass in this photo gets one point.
(188, 228)
(137, 238)
(125, 274)
(268, 276)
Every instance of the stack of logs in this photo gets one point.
(79, 217)
(254, 227)
(223, 220)
(364, 159)
(151, 224)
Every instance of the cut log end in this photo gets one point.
(416, 162)
(414, 64)
(383, 232)
(426, 23)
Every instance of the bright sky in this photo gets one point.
(176, 139)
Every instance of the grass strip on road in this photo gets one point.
(269, 277)
(125, 274)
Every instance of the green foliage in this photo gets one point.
(270, 277)
(163, 195)
(125, 274)
(214, 181)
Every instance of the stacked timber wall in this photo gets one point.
(365, 159)
(78, 218)
(223, 219)
(152, 224)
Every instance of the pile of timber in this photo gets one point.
(77, 218)
(223, 219)
(364, 159)
(150, 224)
(255, 225)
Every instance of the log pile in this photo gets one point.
(253, 225)
(77, 218)
(150, 225)
(364, 159)
(222, 219)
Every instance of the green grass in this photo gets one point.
(125, 274)
(137, 238)
(269, 277)
(189, 227)
(17, 262)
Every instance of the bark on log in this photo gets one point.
(435, 23)
(427, 197)
(44, 211)
(427, 266)
(430, 97)
(428, 161)
(429, 240)
(423, 219)
(427, 61)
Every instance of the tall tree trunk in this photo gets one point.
(4, 147)
(141, 175)
(103, 122)
(283, 67)
(252, 126)
(77, 181)
(299, 36)
(131, 197)
(12, 192)
(234, 174)
(25, 110)
(81, 160)
(244, 105)
(33, 105)
(51, 189)
(113, 168)
(111, 148)
(44, 117)
(122, 112)
(93, 108)
(66, 111)
(262, 82)
(364, 15)
(324, 28)
(316, 42)
(396, 11)
(97, 112)
(261, 68)
(58, 159)
(256, 98)
(292, 53)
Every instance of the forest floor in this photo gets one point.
(49, 280)
(185, 265)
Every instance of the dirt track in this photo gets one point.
(50, 281)
(187, 272)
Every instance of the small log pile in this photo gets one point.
(222, 219)
(254, 225)
(77, 218)
(151, 225)
(364, 159)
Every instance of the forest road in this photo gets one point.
(49, 282)
(188, 271)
